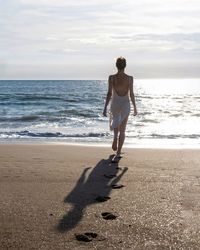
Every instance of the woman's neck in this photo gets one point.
(121, 71)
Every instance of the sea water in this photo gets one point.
(71, 111)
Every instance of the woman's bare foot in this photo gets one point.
(114, 145)
(118, 154)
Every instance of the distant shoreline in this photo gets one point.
(136, 78)
(102, 145)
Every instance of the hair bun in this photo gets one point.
(121, 63)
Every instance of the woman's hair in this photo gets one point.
(120, 63)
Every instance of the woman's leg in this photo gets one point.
(122, 130)
(114, 145)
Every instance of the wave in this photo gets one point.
(175, 115)
(27, 98)
(88, 113)
(146, 113)
(32, 118)
(197, 115)
(29, 118)
(15, 99)
(21, 103)
(26, 118)
(52, 116)
(173, 136)
(149, 120)
(29, 134)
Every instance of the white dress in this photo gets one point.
(119, 109)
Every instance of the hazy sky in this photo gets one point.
(80, 39)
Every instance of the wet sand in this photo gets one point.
(48, 192)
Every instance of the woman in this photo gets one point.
(119, 86)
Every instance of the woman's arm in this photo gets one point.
(108, 97)
(132, 96)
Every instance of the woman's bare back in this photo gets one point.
(121, 83)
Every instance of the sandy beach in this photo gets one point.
(48, 192)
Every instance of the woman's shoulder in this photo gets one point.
(111, 76)
(129, 76)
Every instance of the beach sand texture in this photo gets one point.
(47, 196)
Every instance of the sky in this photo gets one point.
(81, 39)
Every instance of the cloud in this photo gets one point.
(49, 30)
(64, 3)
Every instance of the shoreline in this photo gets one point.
(102, 145)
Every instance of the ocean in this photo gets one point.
(71, 111)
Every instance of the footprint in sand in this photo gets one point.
(108, 216)
(117, 186)
(86, 237)
(102, 198)
(109, 176)
(118, 168)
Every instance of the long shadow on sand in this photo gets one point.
(92, 183)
